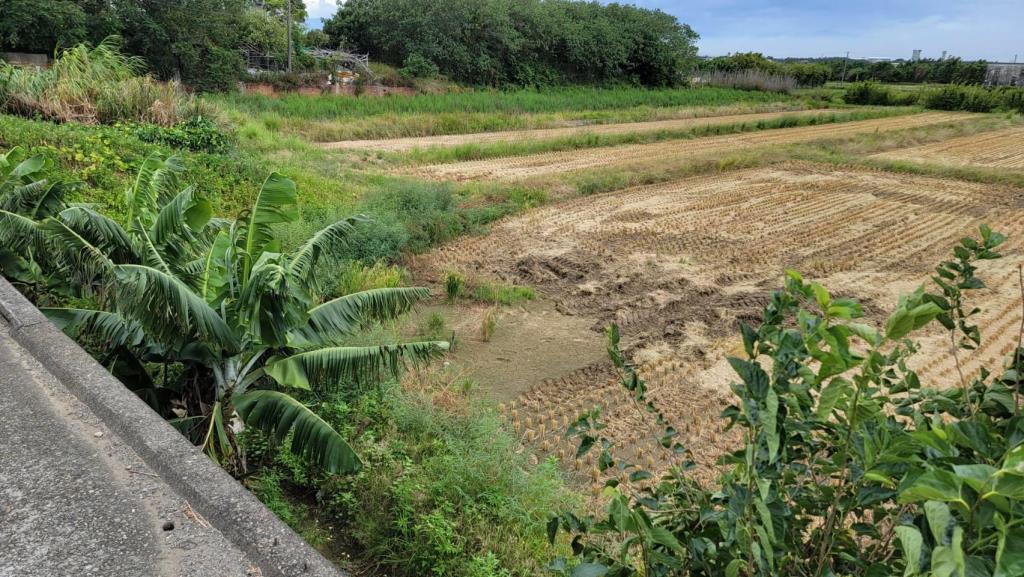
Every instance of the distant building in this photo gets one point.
(916, 56)
(1004, 74)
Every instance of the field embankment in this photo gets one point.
(671, 151)
(484, 138)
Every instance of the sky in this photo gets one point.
(992, 30)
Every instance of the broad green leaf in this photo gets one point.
(168, 309)
(911, 542)
(1010, 554)
(334, 366)
(976, 476)
(330, 238)
(278, 414)
(108, 328)
(330, 322)
(832, 394)
(769, 420)
(949, 560)
(276, 203)
(933, 485)
(939, 520)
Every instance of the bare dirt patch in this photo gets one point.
(521, 167)
(998, 149)
(678, 265)
(483, 138)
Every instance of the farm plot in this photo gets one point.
(677, 265)
(998, 149)
(672, 151)
(483, 138)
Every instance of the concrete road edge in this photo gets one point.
(213, 493)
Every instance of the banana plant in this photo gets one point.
(242, 323)
(28, 194)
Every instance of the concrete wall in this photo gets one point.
(25, 59)
(226, 504)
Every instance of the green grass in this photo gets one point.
(513, 102)
(435, 155)
(503, 294)
(333, 118)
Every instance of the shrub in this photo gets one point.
(1012, 99)
(870, 93)
(958, 97)
(435, 326)
(848, 465)
(418, 66)
(198, 134)
(444, 493)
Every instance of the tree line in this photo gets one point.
(520, 42)
(194, 41)
(817, 71)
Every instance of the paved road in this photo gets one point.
(75, 501)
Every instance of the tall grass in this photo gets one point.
(93, 85)
(752, 79)
(465, 152)
(330, 107)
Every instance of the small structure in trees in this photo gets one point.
(1004, 74)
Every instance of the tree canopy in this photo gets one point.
(196, 41)
(522, 42)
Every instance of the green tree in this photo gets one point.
(213, 315)
(528, 42)
(41, 26)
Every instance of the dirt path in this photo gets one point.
(447, 141)
(520, 167)
(677, 265)
(998, 149)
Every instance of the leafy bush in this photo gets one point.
(198, 134)
(524, 43)
(1012, 99)
(849, 466)
(418, 66)
(956, 97)
(870, 93)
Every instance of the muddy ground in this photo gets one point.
(679, 265)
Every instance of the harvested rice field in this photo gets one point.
(997, 149)
(484, 138)
(678, 265)
(521, 167)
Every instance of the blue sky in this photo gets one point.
(993, 30)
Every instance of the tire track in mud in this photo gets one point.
(515, 168)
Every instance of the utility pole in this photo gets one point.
(845, 60)
(289, 25)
